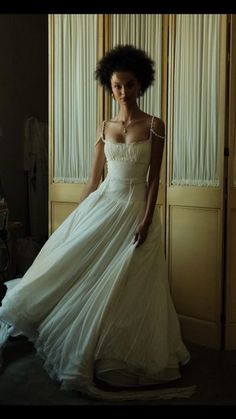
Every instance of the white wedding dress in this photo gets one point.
(94, 305)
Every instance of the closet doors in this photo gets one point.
(197, 211)
(74, 108)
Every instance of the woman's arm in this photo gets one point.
(97, 167)
(153, 182)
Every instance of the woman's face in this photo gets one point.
(125, 87)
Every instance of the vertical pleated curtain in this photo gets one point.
(75, 96)
(196, 100)
(143, 31)
(196, 87)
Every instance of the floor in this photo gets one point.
(23, 381)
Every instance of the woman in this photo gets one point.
(96, 301)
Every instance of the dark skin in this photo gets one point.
(125, 90)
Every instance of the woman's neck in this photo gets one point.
(127, 114)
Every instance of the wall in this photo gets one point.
(23, 93)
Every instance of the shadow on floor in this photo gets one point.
(23, 380)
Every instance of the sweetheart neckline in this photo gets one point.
(131, 143)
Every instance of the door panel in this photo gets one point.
(194, 260)
(64, 197)
(195, 228)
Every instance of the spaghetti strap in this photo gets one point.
(152, 131)
(151, 128)
(102, 136)
(103, 130)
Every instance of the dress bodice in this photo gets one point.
(135, 152)
(128, 160)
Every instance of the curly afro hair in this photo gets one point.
(126, 58)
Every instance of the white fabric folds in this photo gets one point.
(95, 306)
(75, 95)
(196, 133)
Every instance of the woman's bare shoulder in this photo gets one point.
(158, 127)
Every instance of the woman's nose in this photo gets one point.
(123, 90)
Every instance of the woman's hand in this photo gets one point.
(140, 235)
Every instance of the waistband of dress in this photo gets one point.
(131, 181)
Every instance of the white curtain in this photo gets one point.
(143, 31)
(196, 100)
(75, 96)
